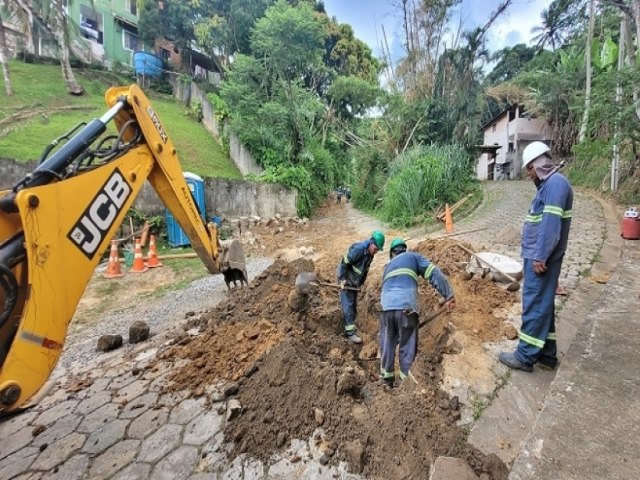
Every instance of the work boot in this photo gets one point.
(354, 338)
(548, 363)
(510, 360)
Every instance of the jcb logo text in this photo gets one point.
(97, 219)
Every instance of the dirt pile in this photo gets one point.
(294, 372)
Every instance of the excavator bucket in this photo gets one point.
(232, 263)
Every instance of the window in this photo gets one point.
(129, 40)
(511, 146)
(91, 24)
(132, 7)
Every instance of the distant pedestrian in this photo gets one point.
(544, 241)
(399, 319)
(348, 195)
(339, 195)
(352, 272)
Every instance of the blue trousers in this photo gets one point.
(349, 304)
(397, 328)
(538, 330)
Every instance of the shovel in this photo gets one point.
(432, 316)
(306, 280)
(514, 286)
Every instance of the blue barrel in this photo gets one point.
(148, 64)
(175, 234)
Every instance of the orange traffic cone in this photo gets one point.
(113, 267)
(138, 261)
(448, 220)
(152, 256)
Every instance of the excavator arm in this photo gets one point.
(56, 223)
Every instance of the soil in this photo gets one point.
(286, 361)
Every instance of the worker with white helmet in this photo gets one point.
(544, 241)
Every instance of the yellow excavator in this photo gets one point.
(56, 223)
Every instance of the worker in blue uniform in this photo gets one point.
(352, 272)
(399, 318)
(544, 241)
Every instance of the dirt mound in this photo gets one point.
(294, 372)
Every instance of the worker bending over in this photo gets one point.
(399, 319)
(352, 272)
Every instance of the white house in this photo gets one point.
(505, 136)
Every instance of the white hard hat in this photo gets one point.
(533, 151)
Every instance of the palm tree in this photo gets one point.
(559, 21)
(61, 32)
(549, 33)
(4, 58)
(53, 14)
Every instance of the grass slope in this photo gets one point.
(43, 111)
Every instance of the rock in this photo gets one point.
(138, 331)
(233, 409)
(297, 301)
(354, 451)
(348, 383)
(109, 342)
(319, 416)
(510, 332)
(450, 468)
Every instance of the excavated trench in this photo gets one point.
(283, 357)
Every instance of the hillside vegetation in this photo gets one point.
(41, 110)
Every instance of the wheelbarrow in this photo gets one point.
(306, 280)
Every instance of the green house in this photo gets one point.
(108, 30)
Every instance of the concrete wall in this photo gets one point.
(229, 198)
(226, 198)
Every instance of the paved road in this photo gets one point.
(123, 427)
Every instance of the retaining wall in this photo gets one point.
(226, 198)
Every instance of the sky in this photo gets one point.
(368, 16)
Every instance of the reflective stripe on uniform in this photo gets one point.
(402, 376)
(401, 271)
(429, 271)
(552, 336)
(346, 258)
(553, 210)
(534, 218)
(567, 214)
(536, 342)
(350, 328)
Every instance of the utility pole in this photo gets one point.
(615, 161)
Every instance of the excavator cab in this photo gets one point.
(57, 221)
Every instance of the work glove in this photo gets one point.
(343, 284)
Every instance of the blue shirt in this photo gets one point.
(400, 281)
(355, 263)
(545, 233)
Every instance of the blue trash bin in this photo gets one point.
(175, 234)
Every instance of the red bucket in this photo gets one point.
(631, 225)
